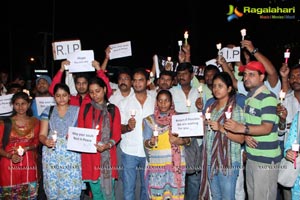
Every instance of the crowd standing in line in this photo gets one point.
(127, 151)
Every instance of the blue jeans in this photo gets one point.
(132, 165)
(223, 186)
(192, 186)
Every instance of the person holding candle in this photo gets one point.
(291, 154)
(133, 154)
(261, 130)
(221, 148)
(18, 152)
(61, 167)
(99, 169)
(166, 167)
(181, 93)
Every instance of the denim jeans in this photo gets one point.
(223, 186)
(132, 165)
(192, 186)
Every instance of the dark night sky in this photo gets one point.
(151, 27)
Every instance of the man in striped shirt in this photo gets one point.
(263, 151)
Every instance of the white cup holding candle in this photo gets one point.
(228, 115)
(295, 147)
(20, 151)
(54, 138)
(133, 113)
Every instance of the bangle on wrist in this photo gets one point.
(110, 145)
(254, 51)
(246, 129)
(149, 144)
(189, 142)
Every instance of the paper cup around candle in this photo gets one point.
(179, 42)
(228, 115)
(287, 54)
(295, 147)
(20, 151)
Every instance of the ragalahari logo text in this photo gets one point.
(233, 13)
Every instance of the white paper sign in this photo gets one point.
(120, 50)
(61, 49)
(43, 102)
(5, 105)
(81, 61)
(231, 54)
(187, 125)
(211, 62)
(82, 139)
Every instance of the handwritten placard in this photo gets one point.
(82, 139)
(5, 105)
(43, 102)
(120, 50)
(81, 61)
(62, 49)
(187, 125)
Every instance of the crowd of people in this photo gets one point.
(246, 131)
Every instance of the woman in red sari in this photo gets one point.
(18, 155)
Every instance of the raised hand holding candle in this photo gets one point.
(20, 151)
(151, 77)
(179, 44)
(219, 46)
(243, 33)
(186, 36)
(287, 55)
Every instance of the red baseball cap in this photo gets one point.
(253, 65)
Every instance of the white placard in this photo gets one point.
(211, 62)
(231, 54)
(61, 49)
(187, 125)
(120, 50)
(81, 61)
(82, 139)
(5, 105)
(43, 102)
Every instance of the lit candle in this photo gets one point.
(20, 151)
(179, 44)
(207, 114)
(155, 134)
(243, 33)
(287, 55)
(219, 46)
(132, 113)
(188, 103)
(54, 136)
(169, 58)
(281, 96)
(186, 36)
(295, 148)
(228, 112)
(151, 74)
(200, 90)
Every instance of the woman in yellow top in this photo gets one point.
(166, 167)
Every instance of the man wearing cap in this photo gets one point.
(260, 128)
(42, 84)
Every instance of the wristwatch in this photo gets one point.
(246, 129)
(254, 51)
